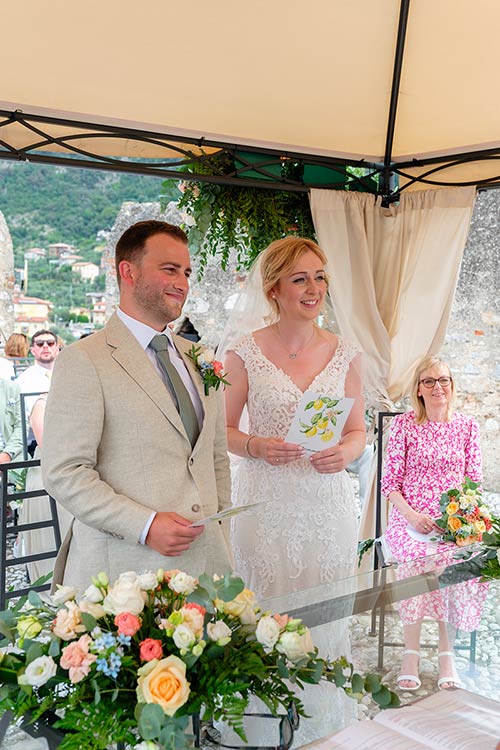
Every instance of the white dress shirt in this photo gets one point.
(35, 379)
(144, 335)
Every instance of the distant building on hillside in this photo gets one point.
(35, 253)
(31, 314)
(97, 304)
(88, 271)
(68, 259)
(56, 249)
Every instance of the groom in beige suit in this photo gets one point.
(133, 453)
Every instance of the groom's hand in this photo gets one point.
(171, 534)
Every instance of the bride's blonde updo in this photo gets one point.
(280, 257)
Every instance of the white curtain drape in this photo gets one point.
(393, 277)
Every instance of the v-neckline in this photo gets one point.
(282, 371)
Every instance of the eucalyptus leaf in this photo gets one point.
(151, 721)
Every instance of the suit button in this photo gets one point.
(195, 508)
(191, 461)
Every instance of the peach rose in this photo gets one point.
(127, 623)
(452, 508)
(454, 523)
(164, 683)
(77, 659)
(193, 616)
(150, 649)
(68, 622)
(281, 620)
(242, 606)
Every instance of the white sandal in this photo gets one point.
(413, 677)
(454, 681)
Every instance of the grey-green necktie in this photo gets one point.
(179, 392)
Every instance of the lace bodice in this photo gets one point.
(273, 396)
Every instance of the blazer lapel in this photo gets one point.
(130, 355)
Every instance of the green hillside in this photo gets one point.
(44, 203)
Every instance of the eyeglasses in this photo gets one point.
(444, 382)
(42, 342)
(288, 724)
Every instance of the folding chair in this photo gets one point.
(12, 529)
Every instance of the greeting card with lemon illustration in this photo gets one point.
(319, 420)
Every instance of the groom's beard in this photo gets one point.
(157, 302)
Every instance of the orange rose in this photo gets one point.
(464, 542)
(164, 683)
(454, 523)
(452, 508)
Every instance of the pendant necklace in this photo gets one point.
(294, 355)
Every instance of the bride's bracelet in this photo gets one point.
(247, 447)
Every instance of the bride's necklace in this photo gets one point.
(293, 355)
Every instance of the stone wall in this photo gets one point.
(6, 281)
(472, 345)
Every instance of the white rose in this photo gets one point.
(38, 672)
(182, 583)
(295, 646)
(92, 608)
(125, 596)
(63, 593)
(268, 631)
(147, 581)
(219, 631)
(93, 594)
(183, 637)
(128, 575)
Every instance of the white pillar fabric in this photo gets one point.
(393, 277)
(394, 272)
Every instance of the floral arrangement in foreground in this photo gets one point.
(131, 662)
(210, 369)
(465, 516)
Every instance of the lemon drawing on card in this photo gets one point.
(323, 419)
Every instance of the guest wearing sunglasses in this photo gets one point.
(430, 450)
(36, 379)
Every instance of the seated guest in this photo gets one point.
(11, 438)
(16, 347)
(430, 450)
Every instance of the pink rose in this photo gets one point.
(217, 367)
(167, 575)
(127, 623)
(150, 649)
(77, 659)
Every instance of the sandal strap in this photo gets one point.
(413, 677)
(446, 653)
(412, 651)
(453, 680)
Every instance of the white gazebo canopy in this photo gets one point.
(367, 82)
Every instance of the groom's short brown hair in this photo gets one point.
(131, 244)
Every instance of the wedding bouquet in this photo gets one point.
(465, 517)
(132, 662)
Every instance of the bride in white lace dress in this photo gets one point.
(307, 536)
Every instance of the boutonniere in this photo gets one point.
(210, 369)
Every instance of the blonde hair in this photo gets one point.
(17, 345)
(428, 363)
(279, 259)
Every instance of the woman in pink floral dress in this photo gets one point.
(430, 450)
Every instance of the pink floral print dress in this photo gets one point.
(422, 462)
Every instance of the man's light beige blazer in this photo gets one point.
(115, 449)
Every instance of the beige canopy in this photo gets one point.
(372, 80)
